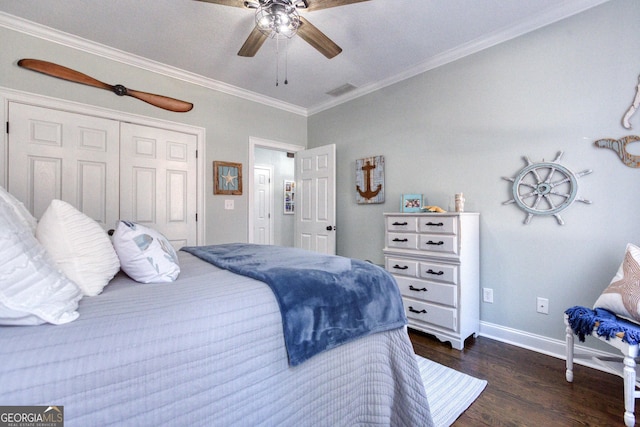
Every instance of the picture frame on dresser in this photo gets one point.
(411, 203)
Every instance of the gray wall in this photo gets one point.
(229, 121)
(464, 126)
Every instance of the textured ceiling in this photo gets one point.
(383, 41)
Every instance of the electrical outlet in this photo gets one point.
(487, 295)
(228, 204)
(542, 305)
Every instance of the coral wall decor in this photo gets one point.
(620, 145)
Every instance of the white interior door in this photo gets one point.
(263, 205)
(73, 157)
(315, 204)
(158, 186)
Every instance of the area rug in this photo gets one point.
(449, 392)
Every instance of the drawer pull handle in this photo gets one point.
(413, 310)
(437, 273)
(433, 224)
(400, 223)
(431, 242)
(404, 267)
(400, 240)
(411, 288)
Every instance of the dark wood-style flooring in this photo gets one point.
(526, 388)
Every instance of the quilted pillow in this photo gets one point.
(32, 289)
(79, 246)
(622, 296)
(145, 254)
(24, 216)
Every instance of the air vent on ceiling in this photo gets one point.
(347, 87)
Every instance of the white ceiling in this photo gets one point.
(383, 41)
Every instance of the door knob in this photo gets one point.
(330, 228)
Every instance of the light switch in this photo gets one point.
(228, 204)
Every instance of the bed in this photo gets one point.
(205, 349)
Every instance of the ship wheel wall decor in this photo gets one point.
(545, 188)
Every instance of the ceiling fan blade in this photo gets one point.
(325, 4)
(253, 43)
(55, 70)
(234, 3)
(318, 39)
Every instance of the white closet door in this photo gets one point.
(158, 171)
(60, 155)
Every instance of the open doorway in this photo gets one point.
(279, 156)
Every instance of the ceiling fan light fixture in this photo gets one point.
(277, 18)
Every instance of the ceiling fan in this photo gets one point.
(276, 18)
(55, 70)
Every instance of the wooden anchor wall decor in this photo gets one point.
(620, 145)
(370, 180)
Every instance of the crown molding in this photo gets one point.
(557, 13)
(59, 37)
(550, 16)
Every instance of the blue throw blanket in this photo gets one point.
(325, 300)
(582, 321)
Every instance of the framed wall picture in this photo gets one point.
(289, 197)
(411, 203)
(227, 178)
(370, 180)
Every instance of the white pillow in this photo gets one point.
(24, 216)
(32, 289)
(79, 246)
(622, 296)
(145, 254)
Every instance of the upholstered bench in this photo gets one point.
(615, 331)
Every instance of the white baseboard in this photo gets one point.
(544, 345)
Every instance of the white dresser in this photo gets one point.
(435, 260)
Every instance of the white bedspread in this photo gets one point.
(205, 350)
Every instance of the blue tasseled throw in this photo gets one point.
(582, 320)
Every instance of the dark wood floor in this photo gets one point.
(526, 388)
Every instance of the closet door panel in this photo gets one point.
(56, 154)
(158, 181)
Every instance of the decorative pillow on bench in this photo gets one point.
(622, 296)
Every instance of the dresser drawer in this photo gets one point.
(429, 313)
(402, 240)
(435, 224)
(438, 243)
(441, 272)
(401, 223)
(402, 266)
(427, 291)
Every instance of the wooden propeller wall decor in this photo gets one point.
(306, 30)
(55, 70)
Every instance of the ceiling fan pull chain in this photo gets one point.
(277, 59)
(286, 63)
